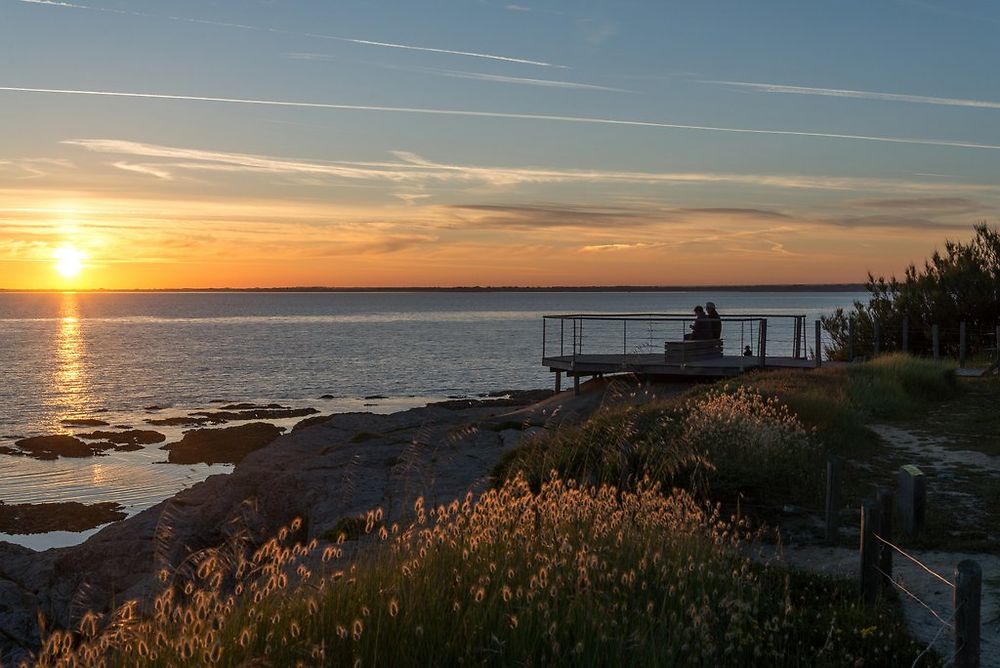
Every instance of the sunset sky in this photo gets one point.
(481, 142)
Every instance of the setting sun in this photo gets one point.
(68, 261)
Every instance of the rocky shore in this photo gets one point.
(326, 469)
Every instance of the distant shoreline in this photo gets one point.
(797, 287)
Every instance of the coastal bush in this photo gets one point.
(567, 575)
(960, 284)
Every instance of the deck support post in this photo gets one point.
(819, 343)
(576, 383)
(962, 349)
(558, 382)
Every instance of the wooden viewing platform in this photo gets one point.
(582, 345)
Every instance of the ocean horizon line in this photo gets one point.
(761, 287)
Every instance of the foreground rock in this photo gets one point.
(30, 518)
(323, 473)
(59, 445)
(255, 414)
(221, 446)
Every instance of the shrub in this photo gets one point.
(565, 576)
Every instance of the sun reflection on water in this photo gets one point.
(71, 383)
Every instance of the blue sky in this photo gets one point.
(466, 141)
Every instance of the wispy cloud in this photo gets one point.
(148, 170)
(350, 40)
(476, 76)
(508, 115)
(859, 94)
(411, 168)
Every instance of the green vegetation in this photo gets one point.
(960, 285)
(895, 386)
(567, 575)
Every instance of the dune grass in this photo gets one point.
(567, 575)
(895, 386)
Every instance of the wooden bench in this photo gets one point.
(691, 351)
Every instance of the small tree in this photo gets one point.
(960, 285)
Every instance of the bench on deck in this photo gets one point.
(691, 351)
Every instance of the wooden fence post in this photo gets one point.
(906, 335)
(870, 578)
(961, 344)
(558, 382)
(912, 499)
(850, 340)
(819, 343)
(876, 338)
(997, 351)
(936, 341)
(833, 470)
(968, 594)
(885, 553)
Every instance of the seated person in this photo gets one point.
(701, 329)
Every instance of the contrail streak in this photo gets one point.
(350, 40)
(507, 115)
(860, 94)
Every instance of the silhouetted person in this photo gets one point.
(701, 329)
(714, 320)
(748, 352)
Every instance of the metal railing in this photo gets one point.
(625, 334)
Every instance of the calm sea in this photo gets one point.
(113, 355)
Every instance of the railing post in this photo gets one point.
(850, 339)
(936, 341)
(624, 343)
(885, 530)
(906, 335)
(819, 344)
(870, 578)
(968, 597)
(544, 322)
(562, 337)
(763, 342)
(961, 344)
(876, 338)
(833, 470)
(795, 345)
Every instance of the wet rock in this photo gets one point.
(130, 437)
(128, 447)
(7, 450)
(327, 396)
(153, 408)
(375, 396)
(249, 406)
(221, 446)
(29, 518)
(59, 445)
(83, 422)
(123, 426)
(499, 399)
(179, 421)
(255, 414)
